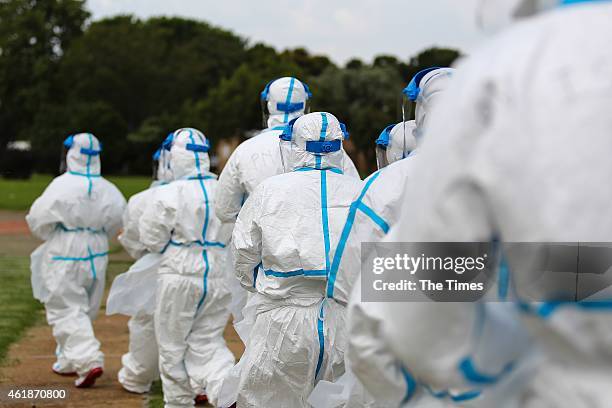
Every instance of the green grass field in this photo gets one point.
(18, 309)
(18, 195)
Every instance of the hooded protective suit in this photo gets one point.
(503, 161)
(68, 270)
(133, 293)
(377, 207)
(192, 297)
(259, 157)
(290, 226)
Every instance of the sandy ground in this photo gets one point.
(29, 361)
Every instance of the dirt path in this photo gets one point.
(28, 365)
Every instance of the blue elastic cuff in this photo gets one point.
(323, 147)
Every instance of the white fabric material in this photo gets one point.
(502, 158)
(133, 292)
(369, 355)
(285, 90)
(68, 270)
(494, 15)
(309, 128)
(432, 87)
(140, 365)
(401, 141)
(282, 226)
(192, 296)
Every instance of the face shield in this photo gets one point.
(283, 97)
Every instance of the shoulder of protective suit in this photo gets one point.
(111, 186)
(267, 139)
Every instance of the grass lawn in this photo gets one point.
(18, 309)
(19, 195)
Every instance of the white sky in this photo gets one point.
(340, 29)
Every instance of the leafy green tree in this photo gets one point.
(141, 73)
(364, 98)
(34, 35)
(234, 107)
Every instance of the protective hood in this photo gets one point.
(83, 154)
(316, 142)
(285, 99)
(395, 143)
(430, 87)
(189, 154)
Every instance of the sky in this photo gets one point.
(340, 29)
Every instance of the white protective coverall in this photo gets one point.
(503, 160)
(133, 293)
(290, 226)
(192, 297)
(75, 216)
(258, 159)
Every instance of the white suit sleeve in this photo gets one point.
(369, 355)
(158, 220)
(230, 192)
(45, 213)
(247, 239)
(116, 208)
(130, 236)
(349, 167)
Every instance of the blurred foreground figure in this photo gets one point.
(290, 226)
(192, 298)
(518, 150)
(75, 216)
(133, 292)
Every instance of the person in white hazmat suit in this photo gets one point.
(192, 297)
(257, 159)
(378, 206)
(133, 293)
(289, 227)
(75, 216)
(504, 162)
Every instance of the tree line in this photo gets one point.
(131, 81)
